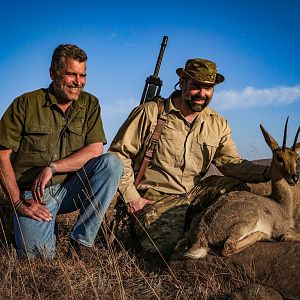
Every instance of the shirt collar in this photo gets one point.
(169, 105)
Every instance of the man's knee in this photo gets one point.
(110, 163)
(162, 227)
(113, 163)
(160, 242)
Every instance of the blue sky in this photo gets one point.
(255, 44)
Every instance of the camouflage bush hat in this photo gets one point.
(200, 70)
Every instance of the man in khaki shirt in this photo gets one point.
(193, 137)
(52, 161)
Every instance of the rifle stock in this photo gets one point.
(153, 82)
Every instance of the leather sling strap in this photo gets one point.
(161, 121)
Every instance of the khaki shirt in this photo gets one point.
(183, 154)
(38, 132)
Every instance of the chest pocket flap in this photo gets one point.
(208, 140)
(38, 129)
(76, 128)
(76, 138)
(36, 138)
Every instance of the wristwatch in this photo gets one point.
(51, 166)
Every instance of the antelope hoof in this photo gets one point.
(195, 254)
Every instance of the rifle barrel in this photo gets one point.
(153, 82)
(160, 56)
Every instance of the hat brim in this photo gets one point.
(181, 73)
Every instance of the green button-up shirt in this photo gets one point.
(38, 131)
(183, 154)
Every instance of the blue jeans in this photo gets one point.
(90, 190)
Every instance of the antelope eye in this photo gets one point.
(280, 160)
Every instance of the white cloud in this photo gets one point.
(249, 97)
(225, 100)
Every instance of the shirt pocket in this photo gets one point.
(76, 138)
(169, 147)
(36, 138)
(207, 146)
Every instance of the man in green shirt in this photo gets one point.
(193, 137)
(52, 161)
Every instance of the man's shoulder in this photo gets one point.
(30, 97)
(88, 98)
(151, 104)
(214, 114)
(150, 107)
(88, 95)
(35, 93)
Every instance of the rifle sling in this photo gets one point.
(161, 121)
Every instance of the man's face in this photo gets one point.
(70, 81)
(197, 95)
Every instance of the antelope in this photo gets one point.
(239, 219)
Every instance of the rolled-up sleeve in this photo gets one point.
(11, 125)
(95, 132)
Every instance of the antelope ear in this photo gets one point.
(297, 147)
(269, 140)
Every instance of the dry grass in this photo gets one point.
(114, 273)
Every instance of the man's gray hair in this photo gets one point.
(64, 51)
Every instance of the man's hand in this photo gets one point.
(38, 187)
(34, 210)
(138, 204)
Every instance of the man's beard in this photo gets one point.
(61, 91)
(196, 106)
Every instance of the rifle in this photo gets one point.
(153, 82)
(152, 89)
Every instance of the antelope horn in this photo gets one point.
(285, 131)
(296, 138)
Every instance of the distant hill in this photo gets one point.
(264, 162)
